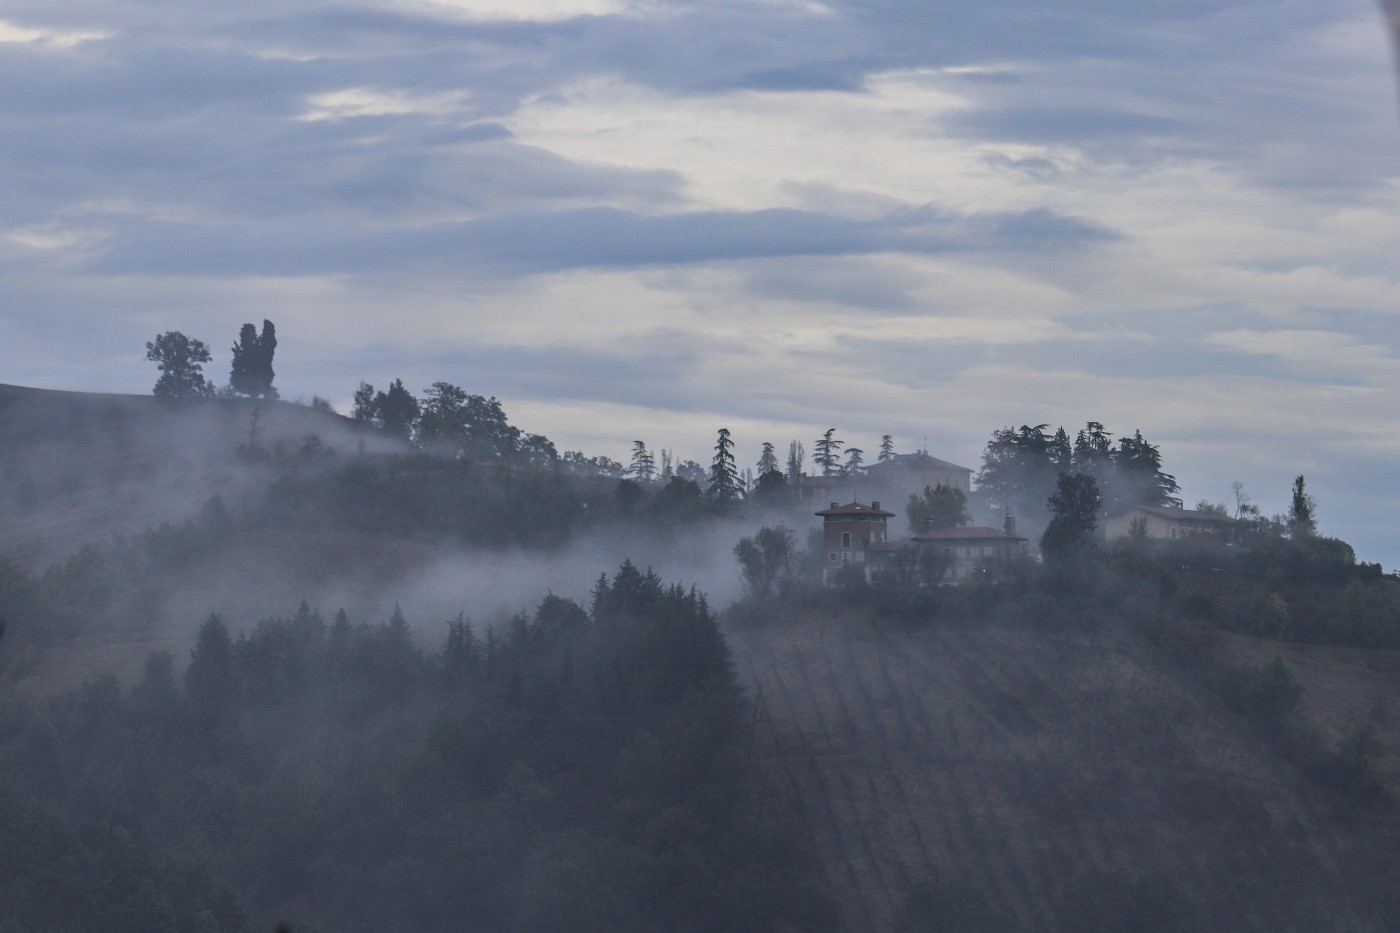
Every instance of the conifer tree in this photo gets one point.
(251, 373)
(724, 475)
(886, 448)
(828, 452)
(1301, 523)
(643, 463)
(767, 460)
(396, 410)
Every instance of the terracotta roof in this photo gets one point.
(966, 534)
(855, 508)
(1183, 514)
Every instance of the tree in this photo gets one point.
(855, 460)
(771, 488)
(1137, 477)
(1241, 498)
(943, 506)
(396, 410)
(209, 680)
(627, 495)
(796, 455)
(643, 463)
(1301, 521)
(724, 475)
(767, 459)
(362, 407)
(886, 448)
(1074, 510)
(251, 373)
(766, 559)
(472, 425)
(178, 358)
(828, 452)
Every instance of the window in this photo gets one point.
(845, 539)
(833, 557)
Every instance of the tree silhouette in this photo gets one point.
(178, 358)
(251, 373)
(724, 476)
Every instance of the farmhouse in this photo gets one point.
(848, 533)
(1144, 521)
(955, 555)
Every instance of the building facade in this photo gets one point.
(1163, 524)
(849, 532)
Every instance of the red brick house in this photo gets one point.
(848, 534)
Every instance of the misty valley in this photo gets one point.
(264, 665)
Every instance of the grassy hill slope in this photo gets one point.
(77, 467)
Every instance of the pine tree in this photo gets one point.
(1074, 512)
(643, 463)
(886, 448)
(767, 460)
(828, 452)
(396, 410)
(855, 460)
(724, 475)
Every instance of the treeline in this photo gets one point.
(1021, 468)
(580, 769)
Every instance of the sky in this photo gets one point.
(647, 220)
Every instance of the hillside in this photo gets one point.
(1127, 742)
(78, 467)
(1038, 777)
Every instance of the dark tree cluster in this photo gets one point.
(1021, 469)
(448, 419)
(575, 769)
(180, 360)
(251, 373)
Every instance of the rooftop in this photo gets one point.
(1181, 514)
(918, 460)
(854, 508)
(967, 534)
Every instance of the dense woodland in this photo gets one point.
(579, 769)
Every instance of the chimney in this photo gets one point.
(875, 505)
(1011, 525)
(834, 504)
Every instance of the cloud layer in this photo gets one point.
(648, 219)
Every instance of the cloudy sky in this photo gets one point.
(649, 219)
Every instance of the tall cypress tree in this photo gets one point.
(251, 373)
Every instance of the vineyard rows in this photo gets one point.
(1016, 763)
